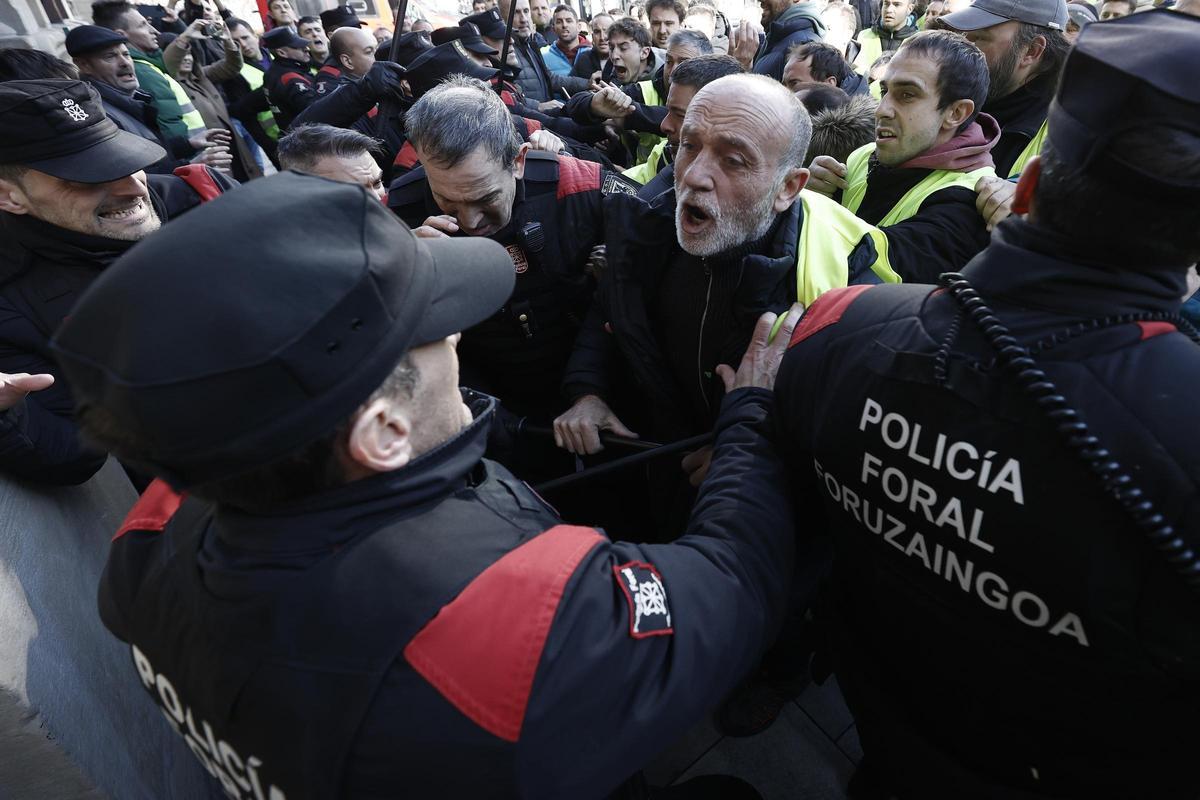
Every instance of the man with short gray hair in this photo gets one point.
(339, 154)
(479, 179)
(737, 236)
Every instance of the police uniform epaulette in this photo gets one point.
(541, 167)
(407, 189)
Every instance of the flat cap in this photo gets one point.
(283, 36)
(468, 35)
(986, 13)
(342, 16)
(89, 38)
(224, 350)
(60, 128)
(410, 45)
(1124, 74)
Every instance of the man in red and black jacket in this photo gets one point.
(73, 197)
(478, 179)
(288, 83)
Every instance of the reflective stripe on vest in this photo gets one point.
(1032, 149)
(648, 141)
(870, 48)
(642, 173)
(908, 205)
(191, 117)
(829, 236)
(254, 77)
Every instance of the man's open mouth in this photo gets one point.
(125, 213)
(693, 218)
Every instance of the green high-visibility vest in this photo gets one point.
(648, 141)
(266, 119)
(191, 117)
(870, 48)
(908, 205)
(829, 236)
(1032, 149)
(642, 173)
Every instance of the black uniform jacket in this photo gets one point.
(289, 89)
(644, 118)
(519, 354)
(1001, 628)
(43, 271)
(435, 632)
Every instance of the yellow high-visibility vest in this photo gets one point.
(908, 205)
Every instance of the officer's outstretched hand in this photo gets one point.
(578, 429)
(437, 227)
(385, 79)
(14, 387)
(763, 356)
(826, 175)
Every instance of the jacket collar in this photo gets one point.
(325, 521)
(794, 18)
(1024, 109)
(34, 240)
(1035, 268)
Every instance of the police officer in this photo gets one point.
(1006, 467)
(350, 602)
(288, 83)
(478, 179)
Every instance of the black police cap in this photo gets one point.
(1125, 74)
(411, 45)
(489, 23)
(60, 128)
(283, 36)
(340, 17)
(433, 66)
(468, 35)
(227, 361)
(90, 38)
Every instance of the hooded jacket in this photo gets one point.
(800, 23)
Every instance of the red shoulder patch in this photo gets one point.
(575, 175)
(201, 181)
(507, 98)
(482, 650)
(1152, 329)
(290, 77)
(406, 157)
(532, 126)
(153, 510)
(328, 70)
(825, 311)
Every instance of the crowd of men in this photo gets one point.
(256, 268)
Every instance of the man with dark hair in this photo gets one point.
(73, 196)
(538, 84)
(1024, 647)
(657, 173)
(310, 28)
(892, 28)
(787, 23)
(246, 98)
(478, 179)
(339, 154)
(838, 132)
(568, 45)
(1115, 9)
(917, 180)
(1025, 46)
(666, 17)
(687, 275)
(632, 58)
(24, 64)
(818, 62)
(818, 97)
(542, 19)
(590, 63)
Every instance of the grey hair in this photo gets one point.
(691, 38)
(306, 145)
(457, 117)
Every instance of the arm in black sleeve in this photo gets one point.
(644, 119)
(620, 697)
(340, 108)
(943, 236)
(572, 85)
(39, 445)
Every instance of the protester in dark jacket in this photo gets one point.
(536, 81)
(787, 24)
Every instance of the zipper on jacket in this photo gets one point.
(700, 339)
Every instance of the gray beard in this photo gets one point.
(727, 232)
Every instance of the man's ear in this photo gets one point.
(380, 439)
(647, 56)
(518, 169)
(12, 198)
(1022, 200)
(790, 190)
(344, 60)
(957, 113)
(1034, 51)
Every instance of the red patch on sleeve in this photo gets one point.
(507, 98)
(201, 181)
(291, 77)
(576, 176)
(153, 510)
(328, 70)
(482, 650)
(1152, 329)
(406, 157)
(532, 126)
(825, 311)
